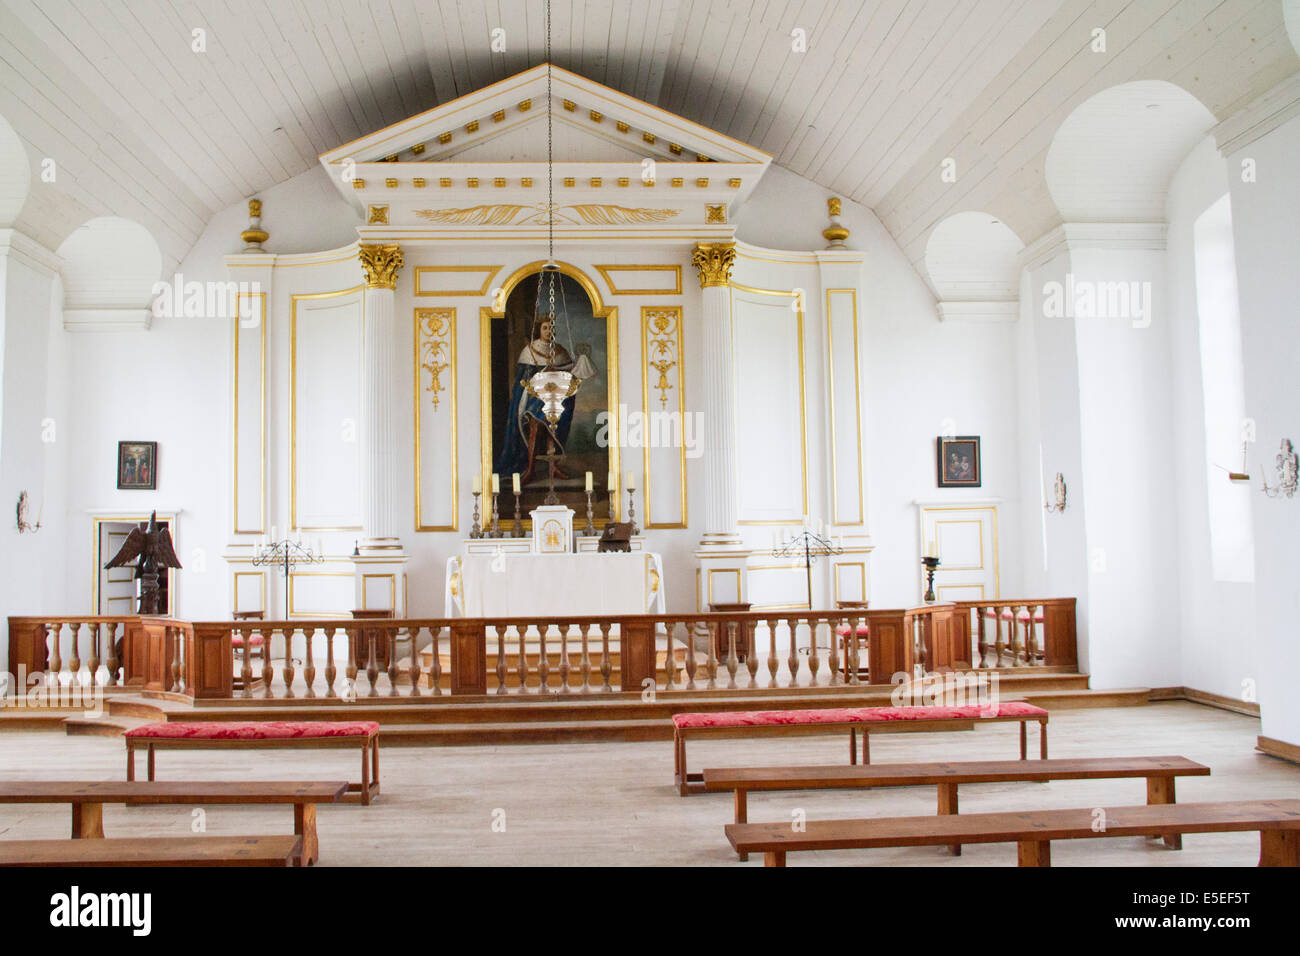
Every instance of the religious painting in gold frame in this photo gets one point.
(507, 331)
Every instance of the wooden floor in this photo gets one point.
(613, 803)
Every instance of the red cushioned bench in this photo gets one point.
(216, 734)
(779, 723)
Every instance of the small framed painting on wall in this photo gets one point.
(137, 465)
(959, 461)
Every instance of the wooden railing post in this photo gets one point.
(637, 654)
(469, 657)
(889, 649)
(1060, 637)
(211, 663)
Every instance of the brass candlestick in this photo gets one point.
(496, 523)
(631, 511)
(591, 525)
(931, 564)
(475, 531)
(517, 530)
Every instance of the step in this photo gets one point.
(1079, 699)
(106, 726)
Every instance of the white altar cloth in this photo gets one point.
(555, 585)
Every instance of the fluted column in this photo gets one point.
(379, 460)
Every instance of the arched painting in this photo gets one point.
(520, 342)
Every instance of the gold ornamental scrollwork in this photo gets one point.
(713, 261)
(661, 332)
(434, 330)
(381, 264)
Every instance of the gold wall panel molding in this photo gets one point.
(392, 591)
(261, 425)
(797, 302)
(234, 602)
(662, 365)
(381, 263)
(317, 612)
(435, 353)
(489, 273)
(519, 214)
(293, 400)
(609, 272)
(714, 261)
(599, 310)
(856, 411)
(862, 568)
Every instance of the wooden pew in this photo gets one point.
(1159, 772)
(87, 799)
(1278, 823)
(154, 851)
(868, 720)
(222, 735)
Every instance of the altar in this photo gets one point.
(554, 585)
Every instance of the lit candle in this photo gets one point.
(514, 482)
(589, 481)
(496, 483)
(478, 484)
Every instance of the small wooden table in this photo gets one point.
(87, 798)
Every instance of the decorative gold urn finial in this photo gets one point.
(713, 261)
(836, 233)
(381, 264)
(254, 235)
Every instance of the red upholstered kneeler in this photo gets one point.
(200, 735)
(853, 719)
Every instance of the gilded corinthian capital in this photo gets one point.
(381, 263)
(713, 261)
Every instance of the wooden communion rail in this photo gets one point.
(340, 658)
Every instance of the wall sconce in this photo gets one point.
(1287, 468)
(24, 513)
(1059, 493)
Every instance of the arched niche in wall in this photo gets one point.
(1113, 157)
(110, 267)
(971, 259)
(15, 175)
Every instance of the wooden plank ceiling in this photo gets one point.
(143, 126)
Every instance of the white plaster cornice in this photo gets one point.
(23, 248)
(1259, 117)
(1077, 236)
(107, 320)
(983, 311)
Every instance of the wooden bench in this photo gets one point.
(88, 797)
(1278, 823)
(1159, 772)
(786, 723)
(220, 734)
(154, 851)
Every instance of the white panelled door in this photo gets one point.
(966, 539)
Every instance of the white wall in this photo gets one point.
(1216, 619)
(1265, 213)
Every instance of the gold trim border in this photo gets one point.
(803, 392)
(605, 270)
(491, 271)
(857, 413)
(452, 359)
(261, 483)
(997, 569)
(646, 310)
(234, 590)
(293, 404)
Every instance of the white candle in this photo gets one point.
(627, 478)
(589, 481)
(496, 483)
(478, 484)
(514, 482)
(611, 483)
(930, 550)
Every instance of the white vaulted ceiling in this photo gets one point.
(142, 126)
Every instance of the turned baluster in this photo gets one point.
(1038, 642)
(74, 662)
(773, 662)
(564, 656)
(175, 634)
(372, 660)
(268, 671)
(999, 646)
(981, 638)
(245, 665)
(711, 661)
(814, 662)
(502, 666)
(95, 647)
(435, 672)
(833, 654)
(586, 659)
(1013, 633)
(522, 637)
(919, 625)
(390, 636)
(289, 672)
(113, 663)
(606, 667)
(414, 671)
(792, 625)
(543, 663)
(690, 654)
(751, 645)
(351, 671)
(853, 651)
(670, 659)
(331, 671)
(309, 662)
(733, 662)
(55, 664)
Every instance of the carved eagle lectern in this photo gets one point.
(148, 548)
